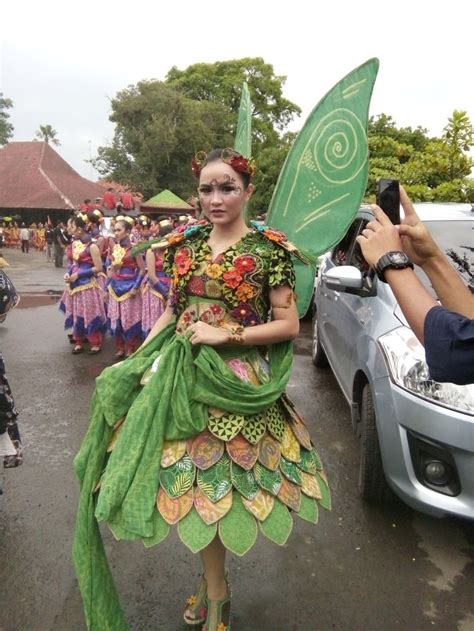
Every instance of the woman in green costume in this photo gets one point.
(195, 429)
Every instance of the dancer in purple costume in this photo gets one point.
(126, 274)
(155, 290)
(82, 301)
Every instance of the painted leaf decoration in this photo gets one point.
(238, 529)
(278, 525)
(323, 180)
(194, 533)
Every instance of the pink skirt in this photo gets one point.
(84, 311)
(152, 308)
(124, 317)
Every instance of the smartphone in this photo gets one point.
(388, 198)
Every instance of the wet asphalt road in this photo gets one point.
(362, 568)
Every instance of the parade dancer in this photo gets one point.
(155, 290)
(95, 219)
(209, 381)
(125, 276)
(82, 301)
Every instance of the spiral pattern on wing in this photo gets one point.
(340, 146)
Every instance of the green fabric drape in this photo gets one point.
(171, 406)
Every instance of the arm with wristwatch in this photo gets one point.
(447, 332)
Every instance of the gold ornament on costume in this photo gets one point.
(118, 254)
(77, 249)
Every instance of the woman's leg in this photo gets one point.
(95, 340)
(212, 585)
(120, 344)
(213, 563)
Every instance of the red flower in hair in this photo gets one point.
(196, 167)
(243, 165)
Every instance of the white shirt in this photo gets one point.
(24, 234)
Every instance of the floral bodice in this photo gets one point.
(239, 278)
(81, 253)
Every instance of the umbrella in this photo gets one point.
(7, 219)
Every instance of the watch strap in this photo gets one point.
(387, 262)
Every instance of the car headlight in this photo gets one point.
(408, 369)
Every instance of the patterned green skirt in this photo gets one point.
(239, 475)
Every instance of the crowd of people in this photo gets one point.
(108, 288)
(18, 235)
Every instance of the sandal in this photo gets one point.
(196, 605)
(119, 355)
(218, 614)
(94, 350)
(77, 349)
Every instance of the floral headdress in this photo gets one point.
(230, 157)
(126, 218)
(83, 216)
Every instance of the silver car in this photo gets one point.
(417, 435)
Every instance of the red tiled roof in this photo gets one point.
(33, 175)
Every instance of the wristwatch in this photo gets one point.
(392, 260)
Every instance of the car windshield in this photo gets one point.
(456, 239)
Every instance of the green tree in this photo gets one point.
(47, 134)
(221, 83)
(157, 131)
(6, 128)
(459, 138)
(431, 169)
(270, 163)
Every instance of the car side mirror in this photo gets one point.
(344, 278)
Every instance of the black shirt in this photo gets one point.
(60, 233)
(49, 234)
(449, 346)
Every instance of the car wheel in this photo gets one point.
(372, 483)
(317, 352)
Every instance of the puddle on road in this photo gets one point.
(38, 299)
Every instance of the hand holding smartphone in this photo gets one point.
(388, 198)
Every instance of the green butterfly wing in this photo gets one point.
(243, 135)
(324, 177)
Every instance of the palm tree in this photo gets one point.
(47, 133)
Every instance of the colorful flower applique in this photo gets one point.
(270, 233)
(245, 292)
(196, 286)
(244, 264)
(214, 270)
(232, 278)
(182, 261)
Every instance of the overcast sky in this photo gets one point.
(62, 62)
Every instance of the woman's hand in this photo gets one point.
(202, 333)
(67, 278)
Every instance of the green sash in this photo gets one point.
(171, 406)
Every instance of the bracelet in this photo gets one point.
(236, 334)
